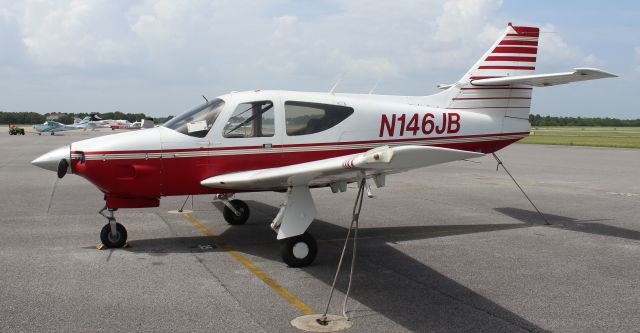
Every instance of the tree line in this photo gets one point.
(31, 118)
(538, 120)
(21, 118)
(68, 118)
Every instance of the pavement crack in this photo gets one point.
(216, 278)
(224, 286)
(53, 191)
(110, 254)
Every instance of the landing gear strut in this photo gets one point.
(235, 212)
(113, 234)
(297, 247)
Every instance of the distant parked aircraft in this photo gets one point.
(92, 121)
(126, 125)
(51, 126)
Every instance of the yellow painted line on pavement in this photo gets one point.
(282, 291)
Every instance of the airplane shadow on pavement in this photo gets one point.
(568, 223)
(386, 280)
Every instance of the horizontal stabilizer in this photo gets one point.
(544, 80)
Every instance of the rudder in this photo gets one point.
(513, 54)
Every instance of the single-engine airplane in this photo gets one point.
(93, 121)
(126, 125)
(89, 122)
(290, 142)
(52, 127)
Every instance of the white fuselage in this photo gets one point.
(161, 161)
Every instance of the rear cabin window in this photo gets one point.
(250, 120)
(305, 118)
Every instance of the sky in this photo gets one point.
(160, 57)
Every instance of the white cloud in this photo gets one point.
(463, 18)
(554, 50)
(12, 47)
(372, 67)
(592, 61)
(75, 33)
(637, 56)
(237, 39)
(214, 46)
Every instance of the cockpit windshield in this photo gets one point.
(198, 121)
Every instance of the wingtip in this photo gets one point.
(602, 73)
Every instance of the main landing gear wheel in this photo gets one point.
(113, 241)
(241, 207)
(299, 251)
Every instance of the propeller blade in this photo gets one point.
(63, 166)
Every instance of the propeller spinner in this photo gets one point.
(55, 160)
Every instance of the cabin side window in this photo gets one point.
(250, 120)
(305, 118)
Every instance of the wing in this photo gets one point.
(378, 161)
(544, 80)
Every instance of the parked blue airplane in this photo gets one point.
(51, 126)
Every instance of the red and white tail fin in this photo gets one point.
(513, 54)
(501, 82)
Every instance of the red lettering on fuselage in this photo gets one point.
(385, 125)
(410, 124)
(441, 129)
(454, 119)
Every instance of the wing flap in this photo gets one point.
(545, 80)
(344, 168)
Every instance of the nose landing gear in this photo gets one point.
(235, 212)
(113, 234)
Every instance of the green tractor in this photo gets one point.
(15, 130)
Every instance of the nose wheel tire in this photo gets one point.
(231, 217)
(113, 241)
(299, 251)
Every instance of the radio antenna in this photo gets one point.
(375, 86)
(333, 89)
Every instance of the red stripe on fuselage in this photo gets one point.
(182, 176)
(402, 140)
(184, 150)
